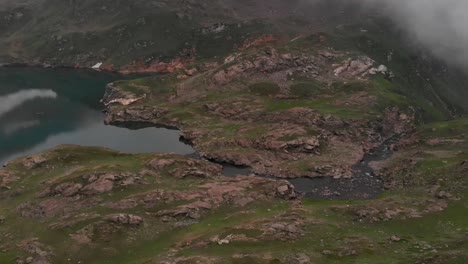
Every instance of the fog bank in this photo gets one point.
(442, 26)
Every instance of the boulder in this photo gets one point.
(68, 188)
(32, 162)
(159, 164)
(355, 68)
(101, 185)
(125, 219)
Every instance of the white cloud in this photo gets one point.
(441, 25)
(11, 101)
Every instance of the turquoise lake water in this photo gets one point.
(43, 108)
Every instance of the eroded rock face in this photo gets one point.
(6, 179)
(186, 168)
(283, 231)
(39, 253)
(271, 61)
(355, 68)
(299, 258)
(186, 57)
(51, 207)
(118, 96)
(99, 184)
(32, 162)
(360, 67)
(63, 198)
(237, 109)
(237, 191)
(125, 219)
(68, 189)
(135, 114)
(390, 210)
(396, 122)
(94, 184)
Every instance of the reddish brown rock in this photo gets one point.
(40, 253)
(159, 164)
(395, 122)
(125, 219)
(139, 66)
(103, 183)
(6, 178)
(32, 162)
(68, 189)
(260, 41)
(357, 68)
(285, 228)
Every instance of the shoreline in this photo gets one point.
(363, 185)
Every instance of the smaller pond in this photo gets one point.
(363, 185)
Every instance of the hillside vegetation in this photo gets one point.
(297, 91)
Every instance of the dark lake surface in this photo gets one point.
(43, 108)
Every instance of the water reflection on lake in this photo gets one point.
(43, 108)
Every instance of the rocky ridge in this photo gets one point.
(295, 135)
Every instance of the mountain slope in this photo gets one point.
(313, 96)
(70, 32)
(164, 35)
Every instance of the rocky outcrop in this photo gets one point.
(137, 114)
(39, 253)
(125, 219)
(34, 161)
(237, 192)
(93, 184)
(67, 189)
(235, 110)
(360, 67)
(186, 168)
(187, 56)
(6, 179)
(271, 61)
(392, 210)
(259, 42)
(396, 122)
(283, 231)
(99, 184)
(119, 96)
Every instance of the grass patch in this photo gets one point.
(141, 86)
(264, 88)
(454, 128)
(323, 105)
(305, 89)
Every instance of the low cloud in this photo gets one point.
(439, 25)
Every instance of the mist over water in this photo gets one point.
(17, 126)
(11, 101)
(66, 110)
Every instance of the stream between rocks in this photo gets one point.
(364, 184)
